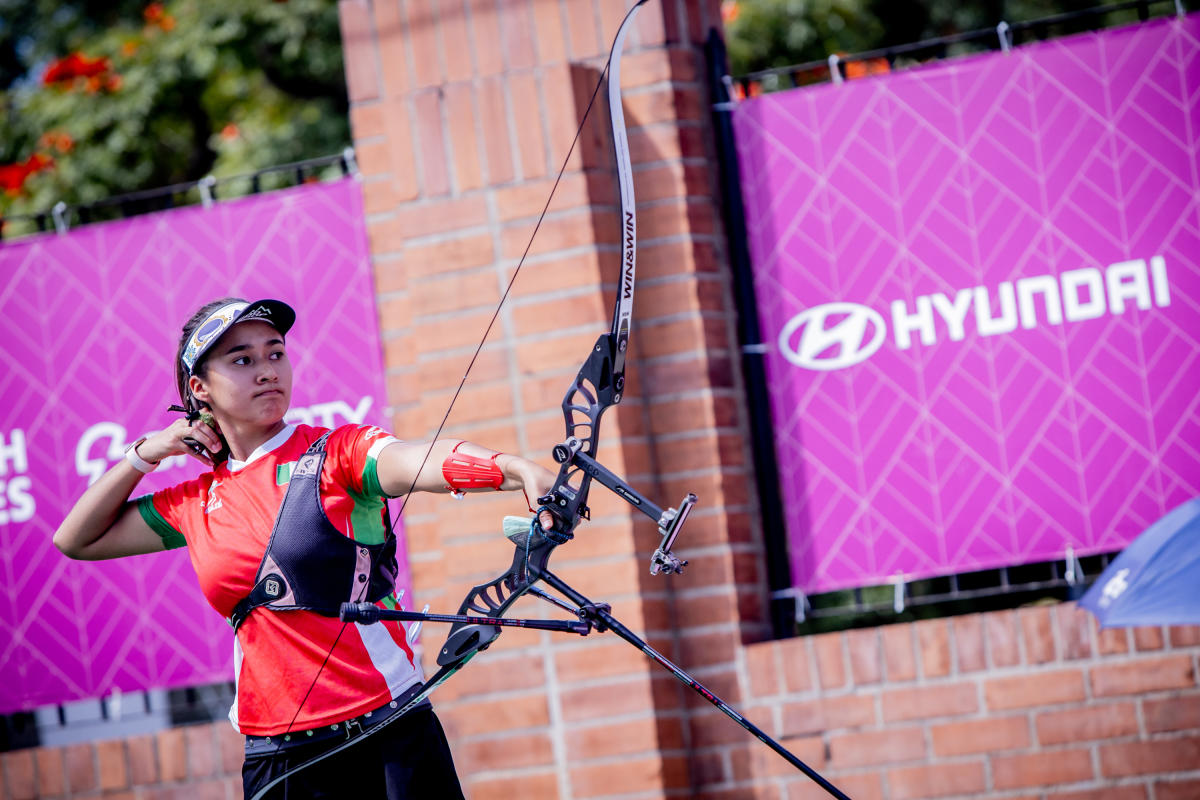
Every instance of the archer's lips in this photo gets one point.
(270, 393)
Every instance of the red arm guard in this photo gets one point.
(463, 471)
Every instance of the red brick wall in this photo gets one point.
(198, 762)
(1014, 705)
(462, 114)
(1033, 703)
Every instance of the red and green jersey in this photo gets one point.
(225, 518)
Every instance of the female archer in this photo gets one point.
(289, 522)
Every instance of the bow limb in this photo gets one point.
(598, 385)
(600, 382)
(623, 310)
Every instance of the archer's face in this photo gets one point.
(248, 377)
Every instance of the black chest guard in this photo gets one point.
(309, 564)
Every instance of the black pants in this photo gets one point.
(408, 760)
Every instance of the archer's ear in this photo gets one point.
(199, 390)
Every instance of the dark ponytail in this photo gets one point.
(191, 405)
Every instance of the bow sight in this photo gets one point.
(669, 522)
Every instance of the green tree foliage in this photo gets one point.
(103, 97)
(762, 34)
(766, 34)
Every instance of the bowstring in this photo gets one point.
(474, 356)
(507, 289)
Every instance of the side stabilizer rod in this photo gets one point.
(368, 613)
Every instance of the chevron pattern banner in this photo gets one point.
(979, 283)
(89, 325)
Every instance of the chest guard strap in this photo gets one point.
(311, 565)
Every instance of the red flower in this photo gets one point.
(75, 65)
(95, 67)
(13, 176)
(156, 15)
(872, 66)
(96, 72)
(57, 140)
(64, 69)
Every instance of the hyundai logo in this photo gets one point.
(812, 341)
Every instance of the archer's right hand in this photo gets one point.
(196, 439)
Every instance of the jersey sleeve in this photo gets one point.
(163, 512)
(353, 452)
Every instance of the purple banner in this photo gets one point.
(89, 325)
(979, 283)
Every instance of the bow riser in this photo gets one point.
(493, 599)
(596, 388)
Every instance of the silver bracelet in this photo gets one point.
(136, 461)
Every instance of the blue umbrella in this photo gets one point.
(1156, 579)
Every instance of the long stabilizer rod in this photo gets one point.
(607, 620)
(369, 612)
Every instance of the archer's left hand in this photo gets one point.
(531, 478)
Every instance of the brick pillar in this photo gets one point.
(462, 112)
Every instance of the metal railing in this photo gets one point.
(117, 715)
(62, 217)
(1004, 36)
(950, 595)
